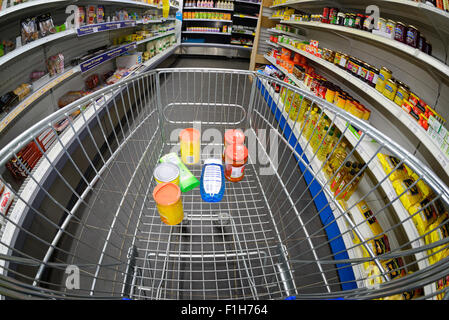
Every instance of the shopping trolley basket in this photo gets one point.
(81, 221)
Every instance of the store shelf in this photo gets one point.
(156, 37)
(216, 45)
(43, 168)
(314, 166)
(243, 16)
(213, 20)
(212, 9)
(26, 7)
(367, 150)
(418, 11)
(420, 57)
(396, 111)
(204, 32)
(34, 45)
(273, 44)
(106, 26)
(106, 56)
(34, 96)
(153, 62)
(248, 2)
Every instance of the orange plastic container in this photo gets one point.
(190, 145)
(236, 156)
(167, 196)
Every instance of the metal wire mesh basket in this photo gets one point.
(84, 205)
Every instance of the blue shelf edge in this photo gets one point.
(337, 245)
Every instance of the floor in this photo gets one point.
(205, 258)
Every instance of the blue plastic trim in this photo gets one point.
(345, 271)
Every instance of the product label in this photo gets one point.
(190, 159)
(381, 245)
(237, 172)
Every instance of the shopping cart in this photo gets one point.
(83, 223)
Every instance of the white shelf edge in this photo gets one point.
(214, 20)
(43, 166)
(204, 32)
(426, 59)
(388, 105)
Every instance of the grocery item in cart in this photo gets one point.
(236, 156)
(167, 196)
(212, 185)
(45, 24)
(166, 172)
(190, 145)
(187, 181)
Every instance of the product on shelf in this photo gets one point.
(55, 64)
(7, 101)
(407, 34)
(6, 199)
(29, 30)
(22, 91)
(92, 81)
(45, 25)
(70, 97)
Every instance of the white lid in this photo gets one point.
(166, 172)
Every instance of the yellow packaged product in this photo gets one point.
(427, 214)
(389, 163)
(394, 268)
(365, 254)
(370, 219)
(422, 186)
(440, 231)
(410, 193)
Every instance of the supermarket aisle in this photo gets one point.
(210, 62)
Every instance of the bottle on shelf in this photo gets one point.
(336, 160)
(345, 181)
(311, 123)
(316, 135)
(324, 149)
(335, 183)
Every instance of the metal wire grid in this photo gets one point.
(107, 248)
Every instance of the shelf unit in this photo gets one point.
(419, 11)
(387, 104)
(420, 57)
(82, 31)
(367, 150)
(42, 170)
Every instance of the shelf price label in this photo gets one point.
(93, 28)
